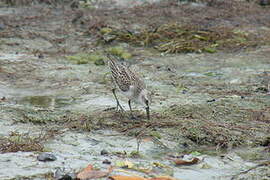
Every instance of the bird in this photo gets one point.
(129, 84)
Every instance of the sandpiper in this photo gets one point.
(129, 83)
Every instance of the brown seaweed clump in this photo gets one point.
(25, 142)
(176, 38)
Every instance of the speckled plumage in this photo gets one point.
(129, 83)
(125, 79)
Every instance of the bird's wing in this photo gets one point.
(122, 78)
(135, 79)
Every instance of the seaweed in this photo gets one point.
(177, 38)
(25, 142)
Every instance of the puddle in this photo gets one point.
(45, 101)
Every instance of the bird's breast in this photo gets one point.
(129, 94)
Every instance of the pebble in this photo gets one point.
(40, 56)
(211, 100)
(66, 177)
(104, 152)
(264, 2)
(99, 62)
(106, 161)
(46, 157)
(61, 175)
(69, 176)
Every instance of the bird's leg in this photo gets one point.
(118, 104)
(131, 114)
(147, 110)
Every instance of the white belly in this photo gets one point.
(129, 94)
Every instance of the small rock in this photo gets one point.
(69, 176)
(265, 141)
(104, 152)
(211, 100)
(261, 90)
(184, 91)
(46, 157)
(61, 175)
(185, 145)
(40, 56)
(99, 62)
(264, 2)
(106, 161)
(65, 177)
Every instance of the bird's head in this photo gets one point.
(145, 100)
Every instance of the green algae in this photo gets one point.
(84, 58)
(120, 52)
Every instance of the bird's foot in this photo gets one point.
(119, 108)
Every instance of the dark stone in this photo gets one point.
(211, 100)
(106, 161)
(40, 56)
(60, 174)
(185, 144)
(66, 177)
(184, 91)
(99, 62)
(264, 2)
(104, 152)
(46, 157)
(265, 142)
(261, 90)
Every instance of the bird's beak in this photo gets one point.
(147, 112)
